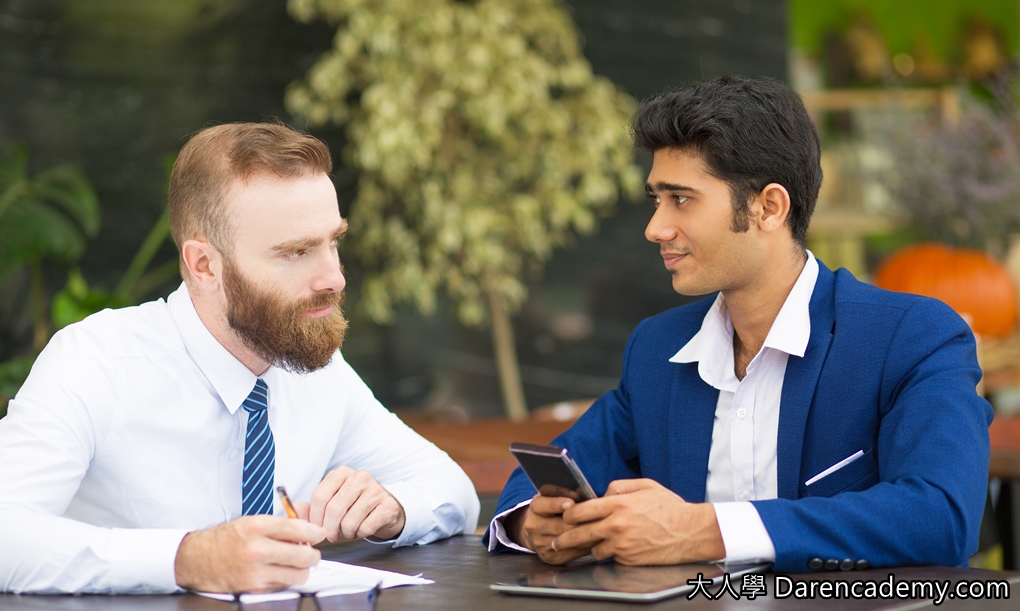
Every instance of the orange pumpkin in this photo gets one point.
(974, 284)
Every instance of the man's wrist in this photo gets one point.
(514, 526)
(181, 565)
(712, 546)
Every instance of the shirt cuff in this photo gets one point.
(743, 533)
(142, 560)
(419, 518)
(497, 532)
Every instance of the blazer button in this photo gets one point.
(846, 565)
(862, 565)
(831, 564)
(815, 563)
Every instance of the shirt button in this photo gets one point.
(862, 565)
(234, 454)
(846, 565)
(815, 563)
(832, 564)
(741, 413)
(745, 495)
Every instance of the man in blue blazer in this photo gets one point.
(799, 416)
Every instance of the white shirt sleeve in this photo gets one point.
(438, 498)
(744, 535)
(46, 442)
(497, 531)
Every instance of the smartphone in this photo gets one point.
(552, 471)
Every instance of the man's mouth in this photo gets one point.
(320, 312)
(671, 258)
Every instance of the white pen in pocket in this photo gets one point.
(836, 467)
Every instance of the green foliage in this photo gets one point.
(49, 215)
(481, 138)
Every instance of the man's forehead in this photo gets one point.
(273, 209)
(670, 161)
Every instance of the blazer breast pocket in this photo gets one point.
(860, 474)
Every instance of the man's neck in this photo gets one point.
(754, 308)
(213, 315)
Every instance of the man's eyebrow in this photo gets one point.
(668, 186)
(310, 242)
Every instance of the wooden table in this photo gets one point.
(481, 448)
(463, 570)
(1004, 463)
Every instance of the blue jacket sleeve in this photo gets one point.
(602, 442)
(932, 457)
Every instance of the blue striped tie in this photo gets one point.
(259, 454)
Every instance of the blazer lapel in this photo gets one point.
(799, 384)
(691, 419)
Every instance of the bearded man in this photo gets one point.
(142, 453)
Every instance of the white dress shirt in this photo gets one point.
(742, 459)
(128, 434)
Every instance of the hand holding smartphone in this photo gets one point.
(552, 471)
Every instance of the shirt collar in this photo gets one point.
(712, 346)
(228, 376)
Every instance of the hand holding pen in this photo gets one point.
(287, 505)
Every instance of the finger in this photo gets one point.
(325, 492)
(382, 515)
(367, 502)
(585, 536)
(292, 531)
(589, 511)
(550, 556)
(605, 549)
(289, 555)
(337, 508)
(550, 506)
(626, 486)
(548, 527)
(302, 510)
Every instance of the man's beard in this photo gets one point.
(279, 332)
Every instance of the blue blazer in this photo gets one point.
(889, 374)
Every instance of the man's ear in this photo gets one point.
(204, 263)
(774, 202)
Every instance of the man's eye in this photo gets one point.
(680, 198)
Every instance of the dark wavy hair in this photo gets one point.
(749, 132)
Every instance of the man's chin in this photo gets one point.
(685, 287)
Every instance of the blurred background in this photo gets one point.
(496, 262)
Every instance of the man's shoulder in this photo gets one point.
(145, 330)
(860, 299)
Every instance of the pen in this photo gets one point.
(287, 505)
(285, 501)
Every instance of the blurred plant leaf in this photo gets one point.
(77, 300)
(49, 215)
(481, 137)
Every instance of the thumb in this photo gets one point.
(627, 486)
(302, 509)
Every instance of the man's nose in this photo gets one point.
(330, 274)
(659, 229)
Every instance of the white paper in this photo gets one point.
(339, 576)
(330, 574)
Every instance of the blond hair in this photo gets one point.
(215, 157)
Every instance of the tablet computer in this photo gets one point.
(611, 581)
